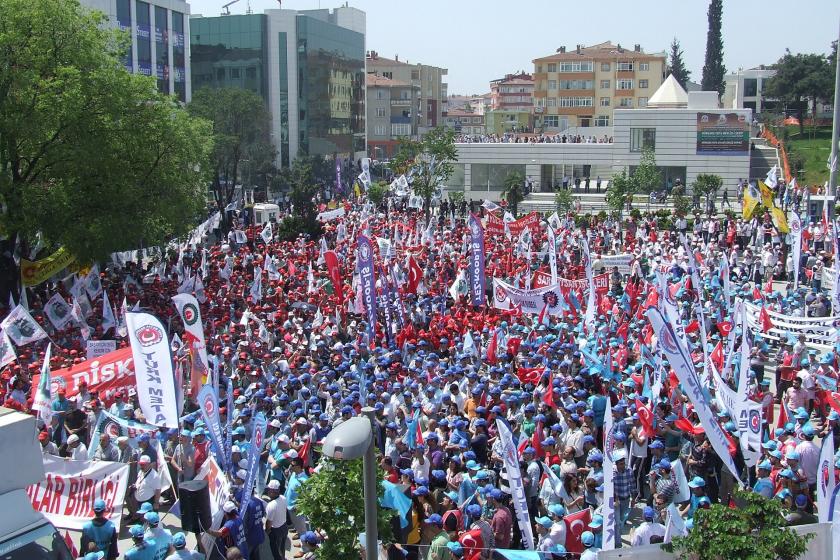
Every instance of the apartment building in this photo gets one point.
(431, 101)
(465, 121)
(514, 92)
(390, 115)
(582, 87)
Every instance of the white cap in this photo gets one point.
(229, 507)
(301, 421)
(274, 485)
(72, 439)
(242, 473)
(283, 438)
(242, 464)
(290, 454)
(144, 460)
(235, 449)
(275, 423)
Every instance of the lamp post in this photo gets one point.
(350, 440)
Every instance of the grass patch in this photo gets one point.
(811, 149)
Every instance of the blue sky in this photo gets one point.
(479, 40)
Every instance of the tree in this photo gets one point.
(430, 162)
(647, 176)
(676, 66)
(707, 184)
(751, 530)
(620, 192)
(800, 80)
(713, 69)
(514, 191)
(564, 200)
(91, 156)
(332, 500)
(301, 182)
(242, 141)
(377, 191)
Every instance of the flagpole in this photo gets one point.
(835, 131)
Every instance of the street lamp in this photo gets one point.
(350, 440)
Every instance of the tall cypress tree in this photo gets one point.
(713, 69)
(676, 66)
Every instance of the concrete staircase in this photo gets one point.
(762, 159)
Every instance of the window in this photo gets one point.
(477, 130)
(576, 66)
(575, 101)
(623, 84)
(476, 120)
(552, 67)
(643, 101)
(552, 101)
(415, 75)
(388, 75)
(401, 129)
(234, 73)
(625, 66)
(644, 66)
(642, 138)
(552, 84)
(625, 102)
(605, 67)
(576, 84)
(379, 130)
(550, 121)
(605, 102)
(605, 84)
(539, 68)
(602, 120)
(380, 94)
(643, 84)
(380, 111)
(750, 87)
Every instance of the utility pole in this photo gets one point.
(835, 129)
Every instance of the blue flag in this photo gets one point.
(260, 425)
(210, 414)
(367, 276)
(229, 436)
(394, 498)
(477, 255)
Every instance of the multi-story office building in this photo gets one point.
(582, 87)
(743, 89)
(308, 65)
(431, 103)
(390, 114)
(159, 45)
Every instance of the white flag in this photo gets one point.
(796, 240)
(21, 327)
(589, 316)
(469, 344)
(611, 524)
(825, 478)
(43, 400)
(153, 369)
(79, 317)
(93, 286)
(271, 268)
(108, 319)
(675, 526)
(266, 233)
(310, 281)
(240, 237)
(318, 320)
(227, 270)
(459, 287)
(683, 492)
(256, 287)
(510, 457)
(490, 206)
(552, 252)
(58, 311)
(121, 329)
(7, 351)
(190, 314)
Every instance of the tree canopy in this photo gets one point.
(242, 147)
(91, 156)
(676, 66)
(430, 161)
(713, 68)
(800, 80)
(514, 191)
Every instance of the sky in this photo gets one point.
(480, 40)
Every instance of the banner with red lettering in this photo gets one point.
(543, 279)
(496, 226)
(67, 494)
(105, 374)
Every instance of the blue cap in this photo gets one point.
(93, 556)
(474, 510)
(649, 513)
(587, 539)
(179, 540)
(309, 537)
(434, 519)
(545, 522)
(99, 505)
(455, 547)
(145, 508)
(136, 531)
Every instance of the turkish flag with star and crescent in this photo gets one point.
(576, 524)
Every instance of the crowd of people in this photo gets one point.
(445, 378)
(533, 138)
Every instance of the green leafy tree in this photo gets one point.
(564, 200)
(514, 191)
(332, 500)
(242, 148)
(676, 66)
(713, 69)
(300, 180)
(647, 176)
(801, 80)
(456, 197)
(682, 203)
(750, 531)
(620, 191)
(377, 191)
(431, 159)
(91, 156)
(707, 184)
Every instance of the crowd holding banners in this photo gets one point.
(498, 423)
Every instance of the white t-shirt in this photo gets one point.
(420, 470)
(147, 484)
(275, 512)
(647, 530)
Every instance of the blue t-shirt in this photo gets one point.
(235, 537)
(254, 522)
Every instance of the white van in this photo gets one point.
(25, 534)
(265, 212)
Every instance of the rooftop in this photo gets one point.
(670, 95)
(381, 81)
(601, 51)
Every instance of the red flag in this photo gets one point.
(513, 345)
(536, 440)
(492, 347)
(415, 275)
(576, 524)
(530, 375)
(623, 330)
(652, 298)
(645, 417)
(303, 453)
(764, 319)
(548, 398)
(717, 355)
(69, 542)
(692, 327)
(685, 425)
(543, 317)
(333, 270)
(833, 399)
(473, 544)
(768, 287)
(783, 418)
(724, 327)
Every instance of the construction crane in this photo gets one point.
(227, 9)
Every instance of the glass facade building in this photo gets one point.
(309, 69)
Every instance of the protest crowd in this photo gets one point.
(539, 384)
